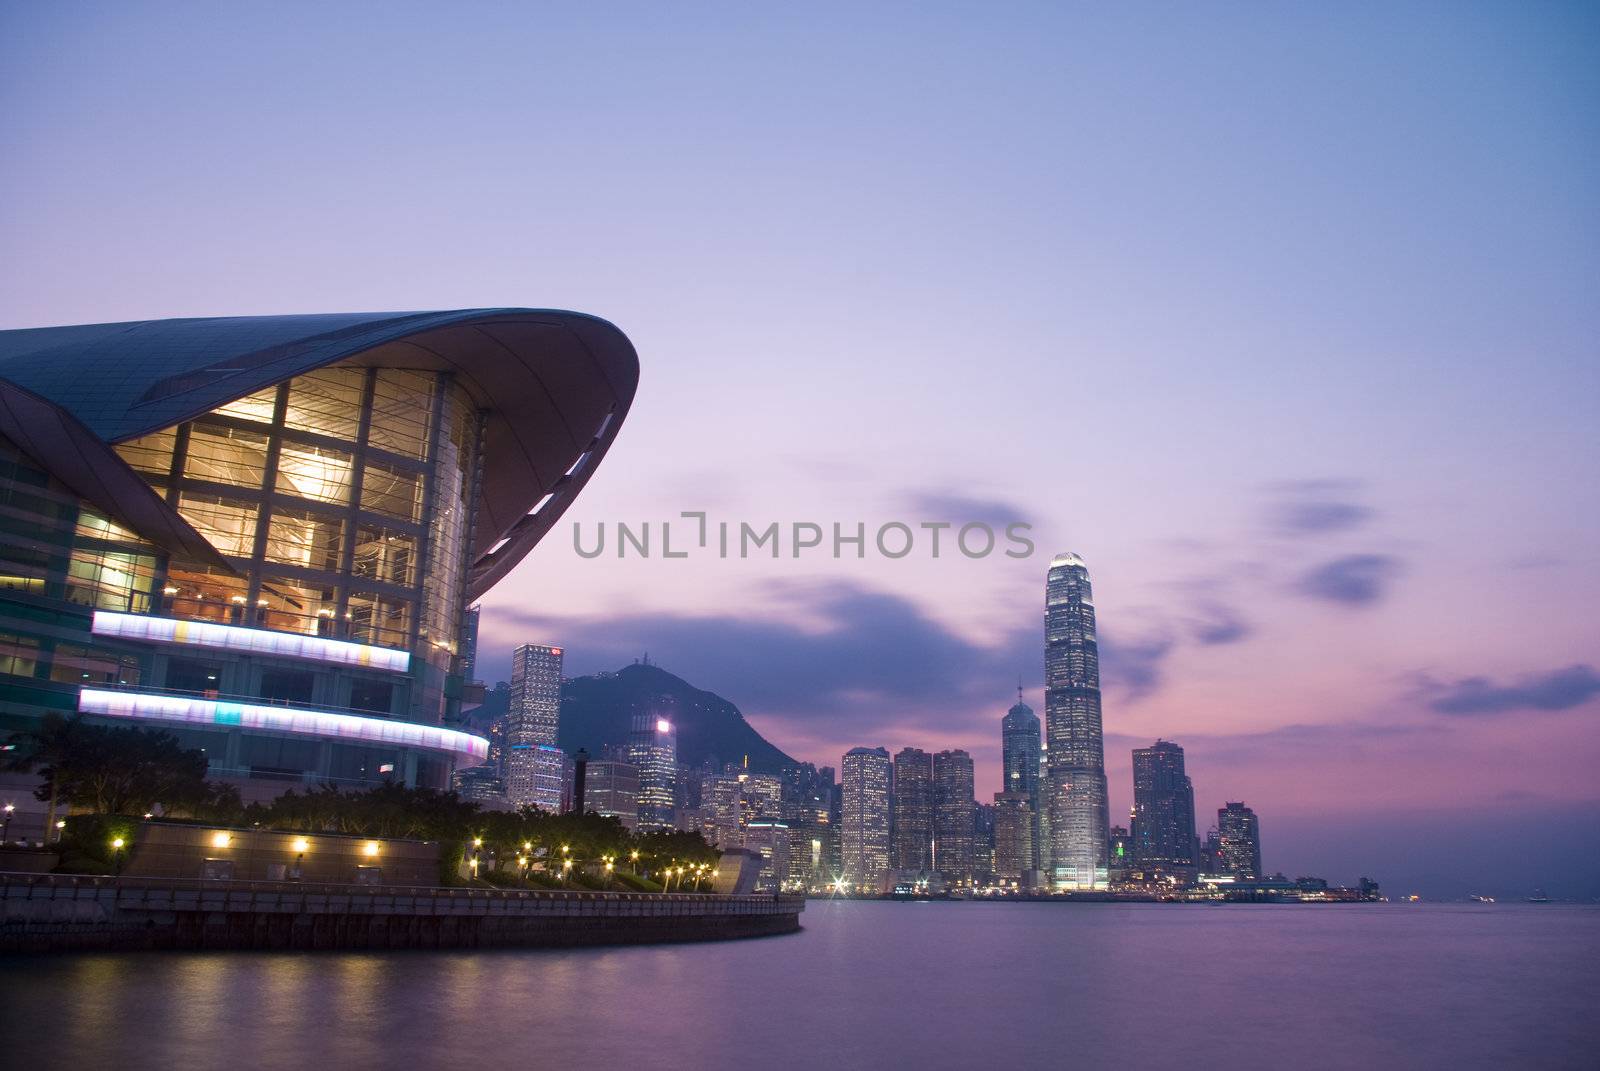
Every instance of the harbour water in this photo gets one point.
(881, 985)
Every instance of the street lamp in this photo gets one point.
(5, 837)
(116, 853)
(60, 826)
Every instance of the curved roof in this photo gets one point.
(555, 387)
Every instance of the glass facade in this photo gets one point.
(340, 502)
(1076, 785)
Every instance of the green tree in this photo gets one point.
(113, 770)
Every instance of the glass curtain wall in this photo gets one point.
(326, 494)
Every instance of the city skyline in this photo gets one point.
(1293, 369)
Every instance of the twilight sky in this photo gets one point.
(1285, 320)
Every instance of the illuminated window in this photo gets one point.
(392, 491)
(201, 593)
(380, 619)
(150, 453)
(95, 525)
(327, 402)
(19, 655)
(385, 554)
(402, 403)
(255, 407)
(226, 455)
(86, 665)
(110, 580)
(315, 472)
(296, 606)
(305, 538)
(229, 524)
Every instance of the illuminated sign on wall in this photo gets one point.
(316, 723)
(248, 640)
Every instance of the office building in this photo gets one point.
(653, 750)
(1013, 838)
(912, 827)
(722, 810)
(1076, 786)
(864, 778)
(1239, 841)
(532, 720)
(611, 790)
(1021, 753)
(954, 830)
(771, 839)
(1163, 813)
(469, 643)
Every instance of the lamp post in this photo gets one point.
(5, 837)
(116, 853)
(61, 825)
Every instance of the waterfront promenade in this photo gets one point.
(57, 912)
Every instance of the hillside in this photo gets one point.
(598, 710)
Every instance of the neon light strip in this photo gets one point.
(318, 723)
(252, 640)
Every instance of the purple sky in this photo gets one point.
(1285, 321)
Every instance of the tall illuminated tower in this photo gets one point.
(1019, 745)
(532, 720)
(1077, 769)
(653, 750)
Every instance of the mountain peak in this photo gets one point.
(598, 711)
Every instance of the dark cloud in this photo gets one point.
(844, 659)
(1559, 689)
(1217, 625)
(1354, 580)
(1315, 507)
(1134, 666)
(961, 509)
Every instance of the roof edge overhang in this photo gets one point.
(554, 386)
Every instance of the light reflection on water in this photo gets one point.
(866, 985)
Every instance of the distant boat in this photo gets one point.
(1539, 897)
(1481, 899)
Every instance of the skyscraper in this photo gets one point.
(1163, 811)
(722, 810)
(953, 817)
(1077, 781)
(864, 817)
(468, 646)
(653, 750)
(913, 810)
(531, 722)
(611, 790)
(1019, 747)
(1239, 838)
(1013, 836)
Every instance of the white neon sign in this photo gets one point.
(248, 640)
(324, 724)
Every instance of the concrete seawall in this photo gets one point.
(54, 912)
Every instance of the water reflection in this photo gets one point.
(866, 985)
